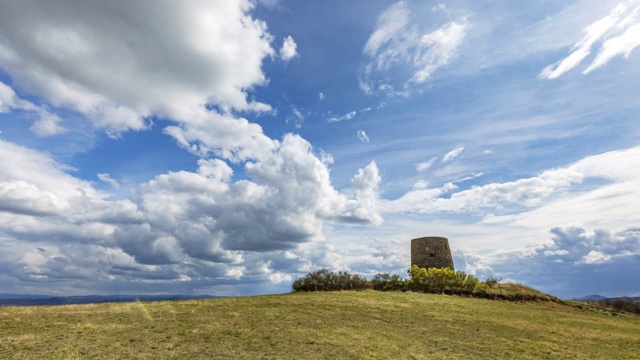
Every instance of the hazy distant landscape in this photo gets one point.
(35, 300)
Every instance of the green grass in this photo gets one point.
(348, 325)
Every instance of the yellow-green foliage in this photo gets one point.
(442, 280)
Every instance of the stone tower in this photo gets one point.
(431, 252)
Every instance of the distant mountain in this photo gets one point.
(33, 300)
(22, 296)
(600, 298)
(592, 298)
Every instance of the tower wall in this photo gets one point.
(431, 252)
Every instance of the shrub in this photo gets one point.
(326, 280)
(492, 281)
(442, 280)
(621, 304)
(387, 282)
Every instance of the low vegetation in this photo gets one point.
(620, 304)
(318, 325)
(325, 280)
(433, 281)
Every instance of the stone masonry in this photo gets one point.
(431, 252)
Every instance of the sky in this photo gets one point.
(228, 147)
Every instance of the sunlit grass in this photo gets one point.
(318, 326)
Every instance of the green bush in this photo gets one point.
(442, 280)
(430, 280)
(387, 282)
(326, 280)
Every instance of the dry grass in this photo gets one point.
(349, 325)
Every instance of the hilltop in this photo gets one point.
(366, 324)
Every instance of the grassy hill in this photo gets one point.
(349, 325)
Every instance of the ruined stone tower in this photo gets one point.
(431, 252)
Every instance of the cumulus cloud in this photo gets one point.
(179, 226)
(288, 49)
(619, 33)
(118, 64)
(231, 138)
(35, 183)
(452, 154)
(399, 41)
(47, 125)
(590, 262)
(172, 52)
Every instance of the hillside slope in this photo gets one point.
(346, 325)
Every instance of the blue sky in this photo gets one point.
(229, 147)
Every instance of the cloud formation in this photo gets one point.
(619, 33)
(618, 168)
(87, 63)
(423, 166)
(363, 136)
(46, 124)
(399, 43)
(606, 257)
(197, 66)
(180, 225)
(452, 154)
(288, 50)
(348, 116)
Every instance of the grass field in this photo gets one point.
(340, 325)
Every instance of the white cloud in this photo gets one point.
(452, 154)
(398, 41)
(288, 49)
(298, 114)
(47, 125)
(622, 18)
(426, 164)
(587, 260)
(9, 100)
(187, 226)
(622, 44)
(27, 174)
(614, 196)
(180, 225)
(231, 138)
(363, 136)
(619, 169)
(320, 96)
(120, 63)
(278, 278)
(348, 116)
(365, 185)
(442, 45)
(391, 24)
(596, 257)
(109, 180)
